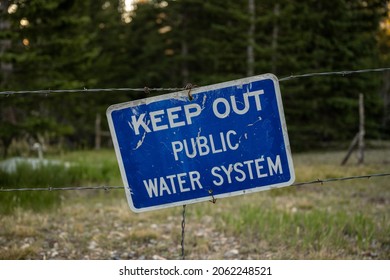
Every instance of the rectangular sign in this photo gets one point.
(227, 139)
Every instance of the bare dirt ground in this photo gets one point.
(105, 228)
(338, 220)
(113, 232)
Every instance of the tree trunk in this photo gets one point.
(385, 92)
(184, 65)
(275, 34)
(251, 39)
(184, 72)
(5, 67)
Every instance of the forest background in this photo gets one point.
(84, 44)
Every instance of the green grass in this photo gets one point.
(99, 167)
(306, 232)
(86, 168)
(15, 253)
(337, 220)
(349, 219)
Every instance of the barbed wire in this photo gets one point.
(171, 89)
(334, 73)
(87, 90)
(108, 188)
(329, 180)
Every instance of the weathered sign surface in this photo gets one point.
(228, 139)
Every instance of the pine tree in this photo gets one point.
(49, 51)
(316, 36)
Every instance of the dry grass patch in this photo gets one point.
(339, 220)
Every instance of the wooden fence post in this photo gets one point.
(361, 130)
(358, 140)
(98, 132)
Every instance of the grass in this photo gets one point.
(307, 232)
(338, 220)
(15, 253)
(86, 168)
(331, 221)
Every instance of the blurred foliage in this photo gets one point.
(74, 169)
(68, 44)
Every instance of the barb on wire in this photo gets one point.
(147, 90)
(322, 181)
(107, 188)
(334, 73)
(85, 90)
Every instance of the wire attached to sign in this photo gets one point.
(108, 188)
(190, 86)
(46, 92)
(183, 225)
(213, 199)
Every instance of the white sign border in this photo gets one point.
(184, 94)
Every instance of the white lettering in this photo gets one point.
(182, 182)
(241, 171)
(228, 171)
(222, 111)
(204, 145)
(164, 186)
(177, 146)
(237, 169)
(162, 119)
(194, 178)
(214, 171)
(234, 105)
(257, 94)
(151, 187)
(172, 117)
(229, 142)
(194, 113)
(172, 181)
(156, 119)
(259, 168)
(225, 112)
(193, 154)
(248, 165)
(140, 122)
(274, 167)
(213, 149)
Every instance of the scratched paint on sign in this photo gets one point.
(229, 139)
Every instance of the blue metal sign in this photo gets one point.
(228, 139)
